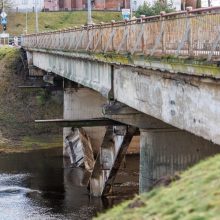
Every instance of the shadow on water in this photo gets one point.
(35, 185)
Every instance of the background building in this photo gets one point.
(51, 5)
(29, 5)
(68, 5)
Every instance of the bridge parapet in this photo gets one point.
(194, 33)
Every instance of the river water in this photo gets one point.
(36, 186)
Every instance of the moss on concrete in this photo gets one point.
(196, 196)
(191, 66)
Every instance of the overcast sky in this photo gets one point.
(214, 3)
(177, 2)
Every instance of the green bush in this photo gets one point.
(155, 9)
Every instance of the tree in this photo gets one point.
(8, 4)
(155, 9)
(199, 4)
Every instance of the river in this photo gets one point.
(36, 185)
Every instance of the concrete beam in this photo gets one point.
(94, 75)
(120, 112)
(191, 104)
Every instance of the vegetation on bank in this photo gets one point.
(20, 107)
(148, 9)
(196, 196)
(56, 20)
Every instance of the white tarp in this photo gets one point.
(79, 148)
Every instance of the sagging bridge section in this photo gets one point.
(158, 74)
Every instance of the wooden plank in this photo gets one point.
(91, 122)
(50, 88)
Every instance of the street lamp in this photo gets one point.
(36, 18)
(26, 16)
(89, 12)
(131, 8)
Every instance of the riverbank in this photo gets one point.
(31, 143)
(20, 107)
(194, 196)
(49, 21)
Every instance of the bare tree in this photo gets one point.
(8, 4)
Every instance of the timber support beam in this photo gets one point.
(92, 122)
(112, 152)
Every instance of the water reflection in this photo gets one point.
(38, 185)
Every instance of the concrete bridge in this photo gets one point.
(157, 77)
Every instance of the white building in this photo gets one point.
(29, 5)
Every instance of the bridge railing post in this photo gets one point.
(190, 36)
(163, 37)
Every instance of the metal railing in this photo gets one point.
(194, 33)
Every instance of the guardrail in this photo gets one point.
(194, 33)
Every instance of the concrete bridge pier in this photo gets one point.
(165, 152)
(79, 104)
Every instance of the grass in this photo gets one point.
(196, 196)
(30, 143)
(42, 142)
(20, 107)
(56, 20)
(9, 53)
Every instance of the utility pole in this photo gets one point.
(131, 8)
(36, 18)
(26, 21)
(89, 12)
(3, 5)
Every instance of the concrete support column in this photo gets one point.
(146, 160)
(165, 152)
(84, 103)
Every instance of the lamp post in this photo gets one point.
(89, 12)
(36, 18)
(26, 17)
(26, 20)
(131, 8)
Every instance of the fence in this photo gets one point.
(194, 33)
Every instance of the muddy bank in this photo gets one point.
(20, 107)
